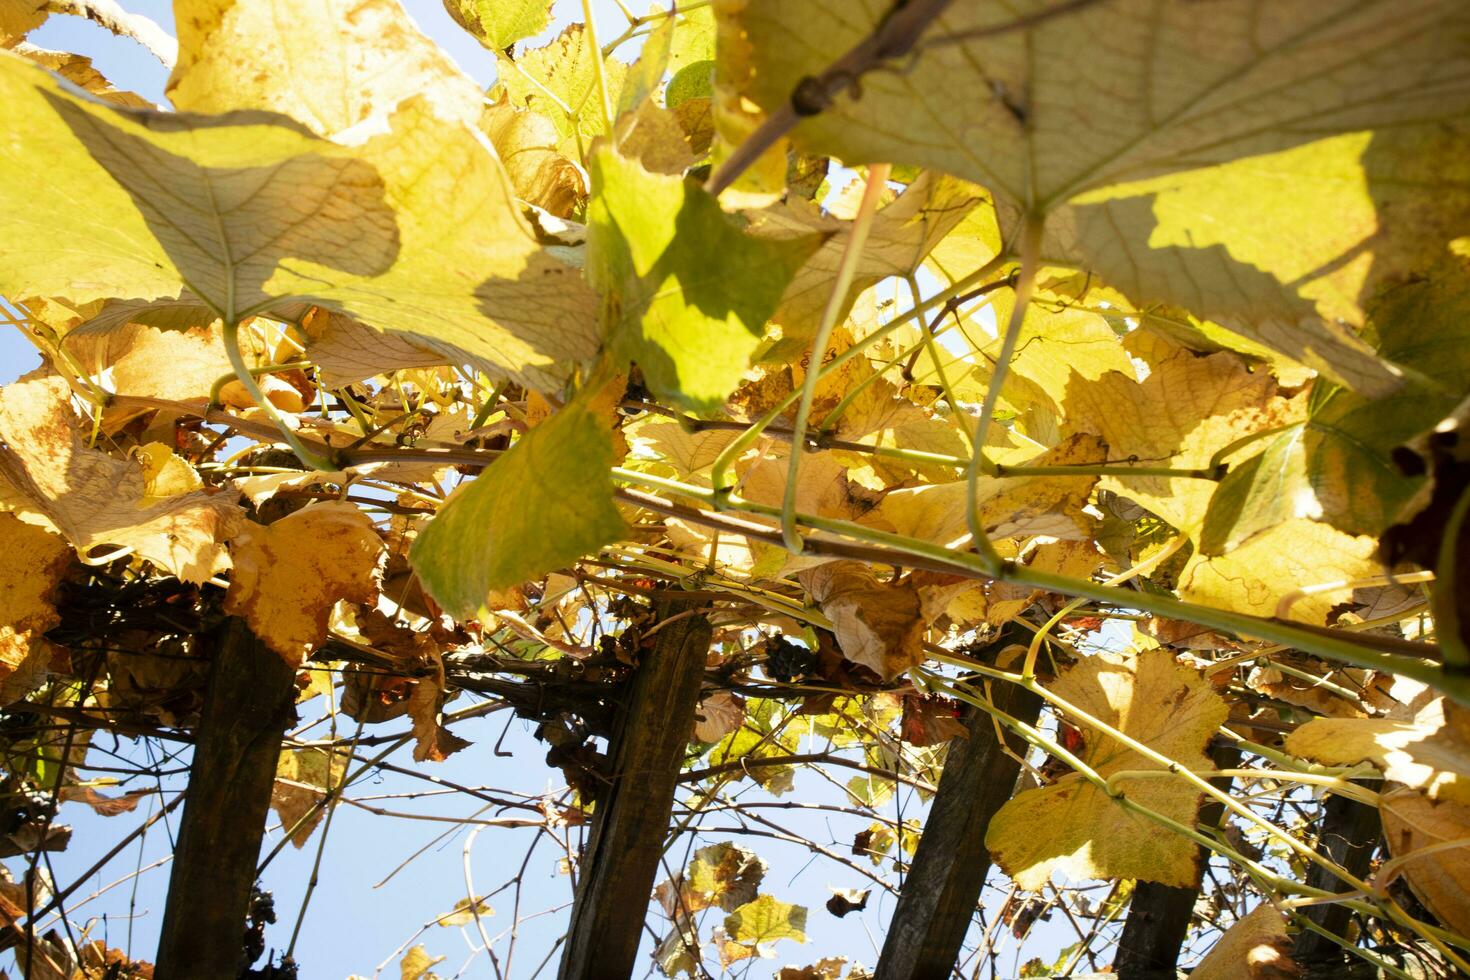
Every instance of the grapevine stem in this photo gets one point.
(876, 181)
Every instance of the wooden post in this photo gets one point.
(631, 820)
(1159, 915)
(942, 889)
(248, 702)
(1349, 835)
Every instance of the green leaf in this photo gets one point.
(1166, 90)
(766, 920)
(686, 292)
(498, 24)
(1337, 466)
(250, 213)
(542, 505)
(694, 37)
(559, 81)
(647, 72)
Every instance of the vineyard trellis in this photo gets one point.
(1028, 433)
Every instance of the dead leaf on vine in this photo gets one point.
(722, 875)
(1255, 948)
(878, 624)
(94, 499)
(1430, 753)
(1149, 697)
(1440, 879)
(288, 575)
(931, 720)
(432, 741)
(827, 968)
(303, 777)
(416, 964)
(105, 806)
(718, 715)
(35, 562)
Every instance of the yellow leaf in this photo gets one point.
(35, 560)
(464, 912)
(1173, 95)
(766, 920)
(1009, 507)
(526, 143)
(1270, 567)
(255, 213)
(558, 81)
(1430, 753)
(1256, 947)
(878, 624)
(346, 60)
(901, 235)
(18, 18)
(288, 575)
(76, 69)
(1153, 700)
(1440, 879)
(416, 964)
(1187, 409)
(303, 777)
(96, 500)
(165, 473)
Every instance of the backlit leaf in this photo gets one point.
(1166, 90)
(288, 575)
(686, 292)
(544, 503)
(498, 24)
(1431, 753)
(366, 57)
(1150, 698)
(251, 212)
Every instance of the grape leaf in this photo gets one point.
(1255, 947)
(1082, 106)
(559, 81)
(289, 574)
(1337, 466)
(1431, 753)
(35, 561)
(687, 292)
(1441, 880)
(1150, 698)
(249, 212)
(1187, 409)
(766, 920)
(544, 503)
(94, 499)
(1272, 566)
(498, 24)
(366, 57)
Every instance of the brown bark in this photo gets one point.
(247, 705)
(633, 810)
(943, 886)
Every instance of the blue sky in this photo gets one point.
(353, 925)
